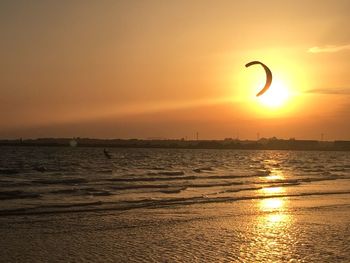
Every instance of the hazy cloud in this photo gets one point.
(341, 91)
(328, 49)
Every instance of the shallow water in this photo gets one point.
(167, 205)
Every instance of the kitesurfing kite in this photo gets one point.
(268, 76)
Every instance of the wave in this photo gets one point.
(171, 173)
(201, 169)
(189, 177)
(173, 190)
(145, 203)
(6, 195)
(82, 191)
(151, 179)
(105, 171)
(7, 183)
(280, 182)
(60, 181)
(161, 186)
(8, 171)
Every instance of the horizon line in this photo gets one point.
(170, 139)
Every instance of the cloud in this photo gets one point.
(328, 49)
(341, 91)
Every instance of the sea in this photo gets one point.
(78, 204)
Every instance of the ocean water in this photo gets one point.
(169, 205)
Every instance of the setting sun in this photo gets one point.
(276, 96)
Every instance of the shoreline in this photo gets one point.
(262, 144)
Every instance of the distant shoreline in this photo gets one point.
(262, 144)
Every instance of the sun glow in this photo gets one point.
(285, 95)
(276, 96)
(279, 100)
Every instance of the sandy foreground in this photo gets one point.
(296, 229)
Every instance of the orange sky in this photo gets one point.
(139, 69)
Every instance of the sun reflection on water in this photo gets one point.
(272, 204)
(275, 174)
(271, 232)
(272, 190)
(271, 238)
(274, 177)
(276, 218)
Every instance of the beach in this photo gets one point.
(70, 204)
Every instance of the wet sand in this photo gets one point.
(301, 229)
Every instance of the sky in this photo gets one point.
(169, 69)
